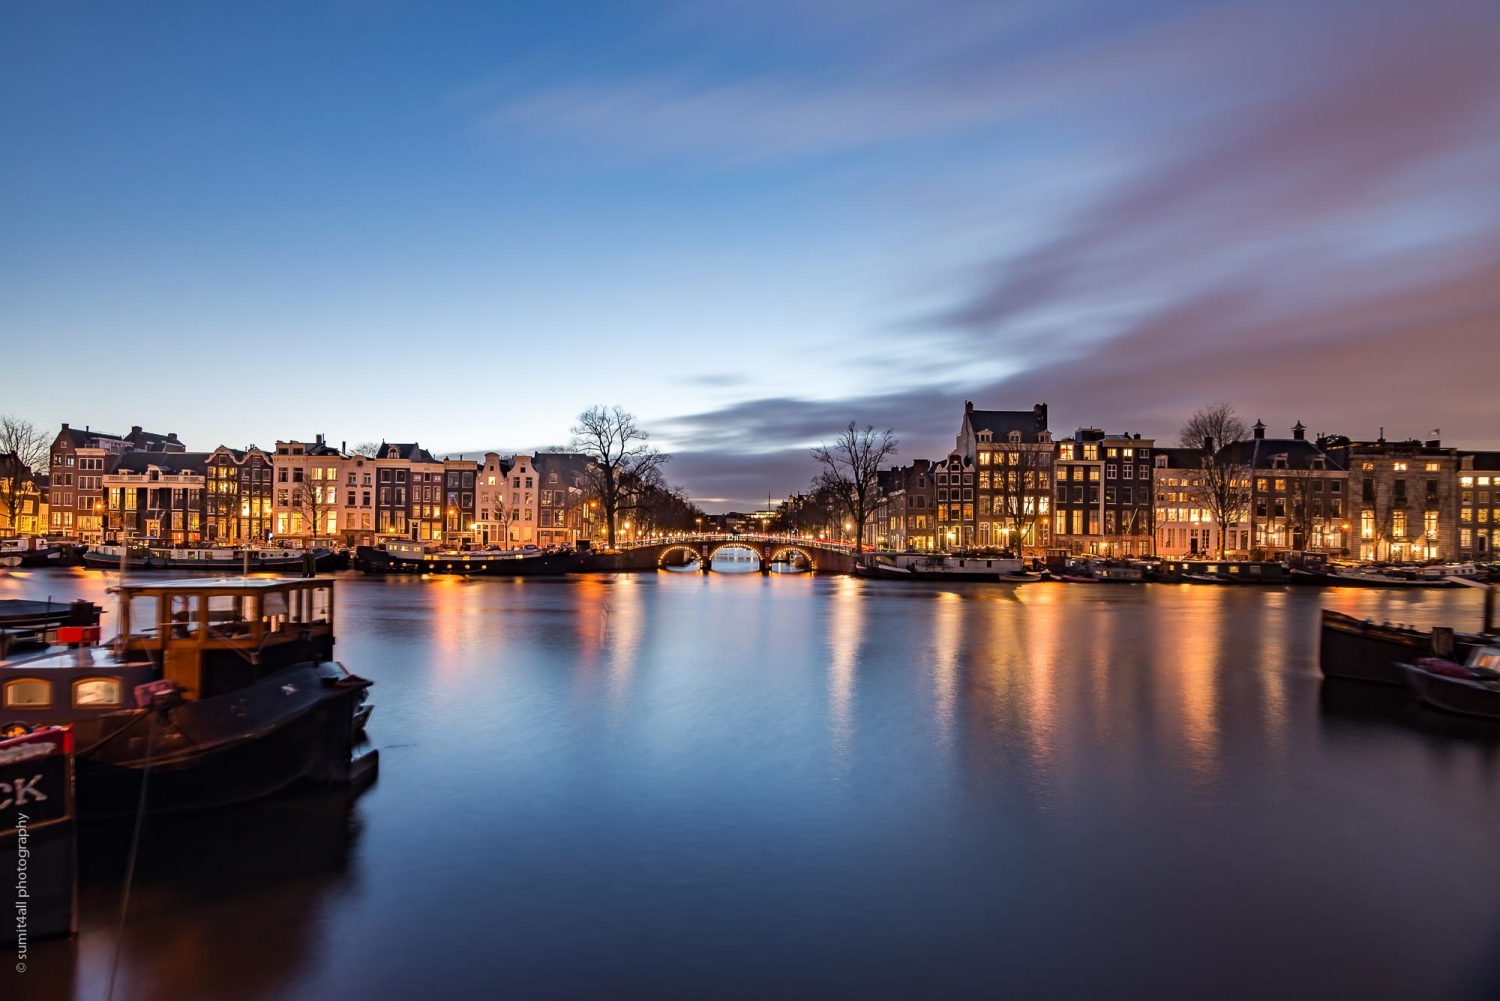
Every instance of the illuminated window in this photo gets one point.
(96, 692)
(1399, 467)
(1367, 524)
(28, 693)
(1398, 524)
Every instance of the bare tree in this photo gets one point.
(24, 451)
(623, 459)
(368, 449)
(1020, 483)
(1226, 481)
(314, 501)
(851, 472)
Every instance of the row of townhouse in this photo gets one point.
(1009, 485)
(145, 486)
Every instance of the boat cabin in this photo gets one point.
(212, 636)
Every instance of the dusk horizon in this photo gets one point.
(750, 227)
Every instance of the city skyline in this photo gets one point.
(750, 226)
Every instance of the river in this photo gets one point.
(734, 786)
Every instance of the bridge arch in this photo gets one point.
(772, 550)
(693, 550)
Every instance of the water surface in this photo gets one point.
(677, 785)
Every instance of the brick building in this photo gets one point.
(1102, 494)
(238, 508)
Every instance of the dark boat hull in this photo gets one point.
(326, 562)
(298, 724)
(1365, 651)
(377, 561)
(1451, 694)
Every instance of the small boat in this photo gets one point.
(225, 690)
(1364, 650)
(1471, 688)
(691, 566)
(403, 557)
(228, 559)
(30, 551)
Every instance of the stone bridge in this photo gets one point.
(653, 553)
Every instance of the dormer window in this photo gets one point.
(393, 453)
(1014, 437)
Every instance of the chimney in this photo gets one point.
(1381, 439)
(135, 430)
(319, 439)
(968, 406)
(1041, 412)
(1259, 429)
(1208, 443)
(1299, 431)
(344, 447)
(65, 425)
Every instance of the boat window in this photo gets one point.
(226, 614)
(28, 693)
(96, 692)
(184, 615)
(144, 614)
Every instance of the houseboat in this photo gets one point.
(225, 690)
(1220, 572)
(414, 557)
(958, 567)
(229, 559)
(30, 551)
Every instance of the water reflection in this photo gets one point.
(742, 786)
(845, 633)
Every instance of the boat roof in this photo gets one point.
(248, 584)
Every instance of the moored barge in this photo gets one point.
(402, 557)
(208, 559)
(223, 690)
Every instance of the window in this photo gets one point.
(30, 693)
(96, 693)
(1398, 524)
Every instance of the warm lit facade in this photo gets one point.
(1478, 505)
(905, 518)
(521, 504)
(1102, 494)
(79, 460)
(1403, 499)
(30, 514)
(156, 497)
(308, 502)
(238, 508)
(995, 490)
(1183, 523)
(1298, 494)
(490, 488)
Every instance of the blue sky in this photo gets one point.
(749, 223)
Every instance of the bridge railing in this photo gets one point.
(697, 538)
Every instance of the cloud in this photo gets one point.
(1290, 206)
